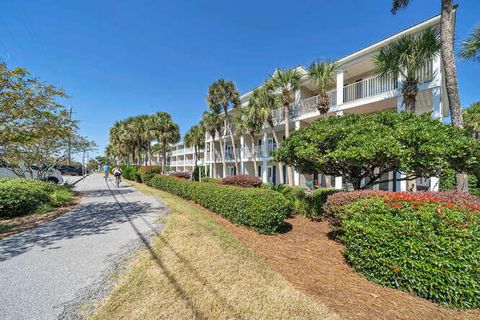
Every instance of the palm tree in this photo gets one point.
(406, 56)
(195, 137)
(323, 75)
(250, 121)
(213, 124)
(166, 132)
(287, 82)
(471, 115)
(448, 57)
(266, 101)
(470, 48)
(223, 95)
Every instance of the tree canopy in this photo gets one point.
(35, 129)
(362, 148)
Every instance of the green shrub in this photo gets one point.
(148, 172)
(212, 180)
(319, 198)
(305, 202)
(261, 209)
(131, 173)
(25, 196)
(60, 197)
(417, 243)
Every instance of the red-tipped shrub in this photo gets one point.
(338, 201)
(243, 181)
(148, 172)
(181, 175)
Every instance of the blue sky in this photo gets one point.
(121, 58)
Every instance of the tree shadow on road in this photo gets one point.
(86, 219)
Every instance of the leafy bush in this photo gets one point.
(263, 210)
(212, 180)
(319, 198)
(181, 175)
(336, 204)
(423, 243)
(148, 172)
(243, 181)
(199, 171)
(25, 196)
(60, 197)
(131, 173)
(303, 201)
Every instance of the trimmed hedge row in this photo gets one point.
(263, 210)
(423, 243)
(20, 197)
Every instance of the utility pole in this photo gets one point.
(70, 143)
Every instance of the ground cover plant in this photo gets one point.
(20, 197)
(423, 243)
(258, 208)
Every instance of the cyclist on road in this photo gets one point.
(106, 168)
(117, 172)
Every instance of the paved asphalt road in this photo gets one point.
(47, 272)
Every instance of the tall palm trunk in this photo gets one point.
(149, 154)
(139, 152)
(409, 92)
(212, 152)
(451, 82)
(195, 148)
(280, 165)
(286, 104)
(252, 135)
(164, 156)
(232, 139)
(222, 155)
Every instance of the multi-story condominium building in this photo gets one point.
(182, 159)
(358, 89)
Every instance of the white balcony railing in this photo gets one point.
(369, 87)
(309, 104)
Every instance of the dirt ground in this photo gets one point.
(314, 264)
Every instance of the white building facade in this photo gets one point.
(358, 89)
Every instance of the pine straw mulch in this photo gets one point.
(13, 226)
(314, 264)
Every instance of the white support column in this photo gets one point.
(298, 103)
(437, 107)
(242, 147)
(296, 174)
(339, 86)
(339, 180)
(264, 158)
(400, 185)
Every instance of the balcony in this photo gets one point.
(309, 104)
(369, 87)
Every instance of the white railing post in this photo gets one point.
(264, 159)
(339, 86)
(242, 147)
